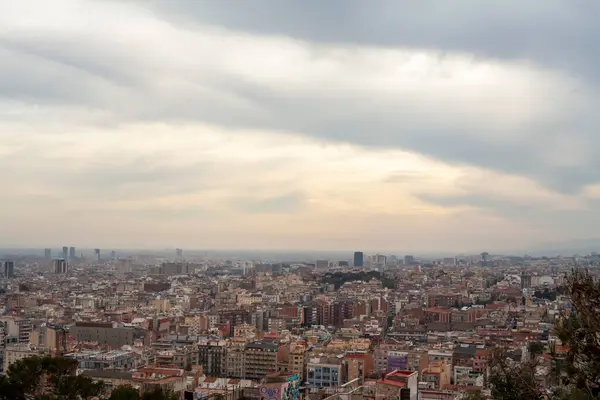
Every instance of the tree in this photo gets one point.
(79, 387)
(511, 380)
(535, 348)
(473, 395)
(47, 378)
(124, 393)
(8, 390)
(24, 377)
(579, 331)
(159, 394)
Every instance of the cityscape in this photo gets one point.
(369, 325)
(299, 200)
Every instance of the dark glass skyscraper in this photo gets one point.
(359, 259)
(9, 269)
(61, 266)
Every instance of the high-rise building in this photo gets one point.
(322, 264)
(61, 266)
(65, 252)
(113, 255)
(484, 258)
(72, 254)
(179, 252)
(359, 259)
(97, 252)
(525, 280)
(47, 253)
(9, 269)
(409, 260)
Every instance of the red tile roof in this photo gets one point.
(391, 382)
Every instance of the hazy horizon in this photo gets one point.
(431, 126)
(569, 248)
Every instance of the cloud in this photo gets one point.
(206, 110)
(286, 203)
(557, 33)
(484, 112)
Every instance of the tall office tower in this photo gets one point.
(322, 264)
(409, 260)
(125, 265)
(484, 258)
(97, 252)
(179, 252)
(61, 266)
(72, 254)
(359, 259)
(9, 269)
(48, 253)
(113, 255)
(65, 253)
(525, 280)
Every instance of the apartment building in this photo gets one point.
(261, 358)
(235, 358)
(298, 359)
(212, 357)
(105, 333)
(18, 351)
(437, 375)
(17, 329)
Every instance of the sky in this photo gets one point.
(455, 125)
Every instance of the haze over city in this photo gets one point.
(455, 126)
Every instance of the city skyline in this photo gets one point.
(206, 125)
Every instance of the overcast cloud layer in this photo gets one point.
(407, 126)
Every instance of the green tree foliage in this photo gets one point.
(579, 331)
(124, 393)
(512, 380)
(70, 387)
(51, 378)
(473, 395)
(546, 294)
(535, 349)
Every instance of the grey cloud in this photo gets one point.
(233, 102)
(560, 33)
(385, 125)
(554, 34)
(60, 71)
